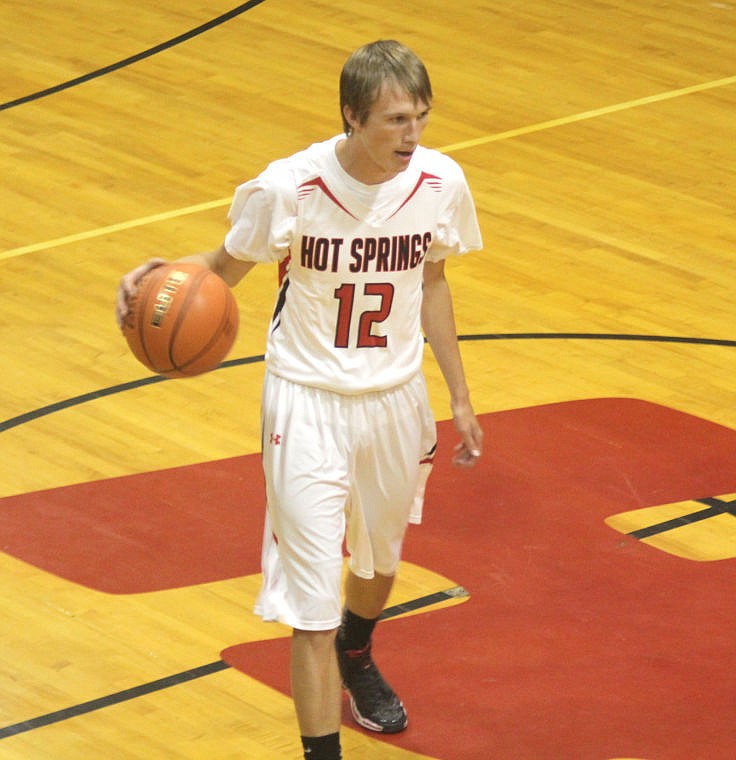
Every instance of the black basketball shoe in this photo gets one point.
(373, 702)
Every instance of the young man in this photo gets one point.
(362, 224)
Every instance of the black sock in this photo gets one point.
(355, 631)
(322, 747)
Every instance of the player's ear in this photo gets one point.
(350, 117)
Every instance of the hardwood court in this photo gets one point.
(596, 540)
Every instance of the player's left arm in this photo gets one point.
(438, 323)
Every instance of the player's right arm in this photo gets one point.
(231, 270)
(219, 261)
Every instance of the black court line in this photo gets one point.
(111, 391)
(602, 336)
(76, 400)
(134, 58)
(112, 699)
(713, 507)
(424, 601)
(194, 673)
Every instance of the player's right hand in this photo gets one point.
(128, 287)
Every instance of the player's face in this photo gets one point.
(385, 142)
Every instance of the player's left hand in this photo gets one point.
(466, 452)
(464, 457)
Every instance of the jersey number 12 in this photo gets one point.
(345, 294)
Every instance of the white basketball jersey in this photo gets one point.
(347, 317)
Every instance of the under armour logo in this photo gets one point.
(275, 439)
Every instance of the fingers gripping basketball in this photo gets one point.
(182, 321)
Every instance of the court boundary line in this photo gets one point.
(192, 674)
(64, 404)
(452, 148)
(90, 75)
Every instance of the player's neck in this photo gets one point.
(359, 164)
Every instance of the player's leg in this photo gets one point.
(373, 703)
(316, 691)
(306, 485)
(367, 597)
(398, 430)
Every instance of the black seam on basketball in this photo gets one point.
(191, 293)
(215, 335)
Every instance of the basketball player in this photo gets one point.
(362, 224)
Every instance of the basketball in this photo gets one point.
(182, 321)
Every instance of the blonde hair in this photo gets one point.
(370, 66)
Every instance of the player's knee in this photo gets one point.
(317, 642)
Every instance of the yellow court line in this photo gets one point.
(589, 114)
(101, 231)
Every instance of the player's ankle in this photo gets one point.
(322, 747)
(355, 632)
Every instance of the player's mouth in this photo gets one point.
(405, 155)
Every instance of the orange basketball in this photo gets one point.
(182, 321)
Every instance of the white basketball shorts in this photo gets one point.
(340, 469)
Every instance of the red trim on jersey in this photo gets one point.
(432, 180)
(284, 267)
(306, 187)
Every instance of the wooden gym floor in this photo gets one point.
(598, 334)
